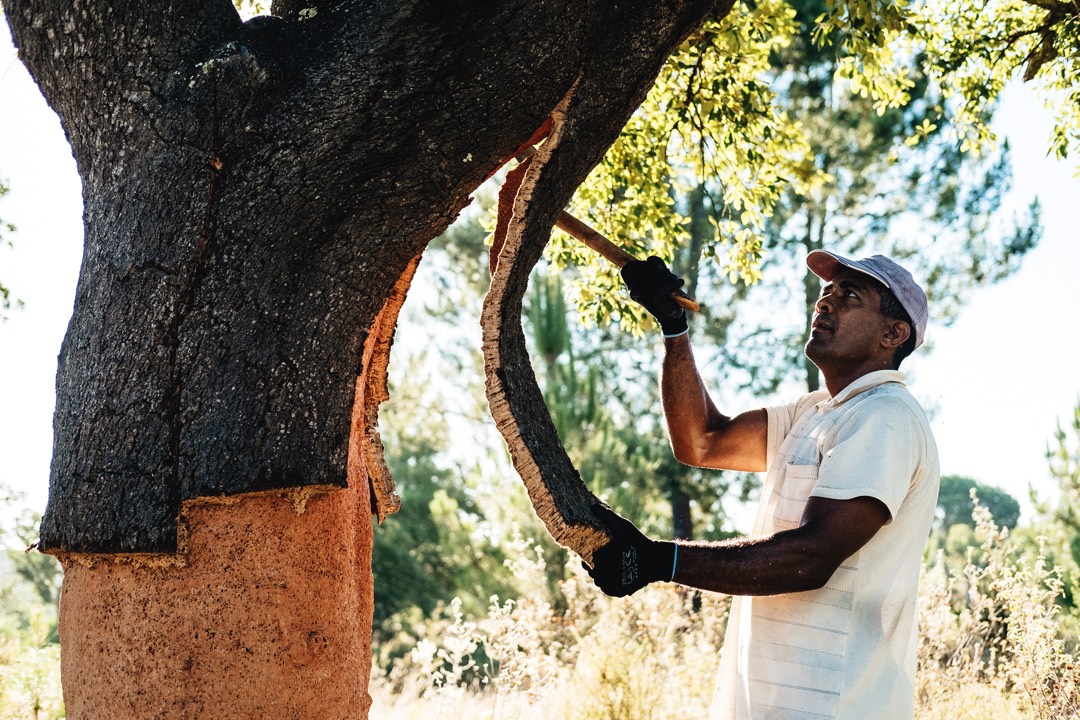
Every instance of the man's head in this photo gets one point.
(900, 302)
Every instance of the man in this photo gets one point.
(823, 624)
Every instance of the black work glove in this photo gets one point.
(631, 560)
(651, 283)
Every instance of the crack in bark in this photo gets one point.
(184, 302)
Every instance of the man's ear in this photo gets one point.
(896, 333)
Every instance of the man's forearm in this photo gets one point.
(803, 558)
(773, 565)
(688, 410)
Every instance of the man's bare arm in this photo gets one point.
(700, 434)
(788, 561)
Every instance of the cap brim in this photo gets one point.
(825, 265)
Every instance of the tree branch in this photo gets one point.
(1061, 8)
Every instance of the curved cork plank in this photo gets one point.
(585, 124)
(366, 454)
(555, 488)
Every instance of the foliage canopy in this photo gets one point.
(722, 117)
(973, 50)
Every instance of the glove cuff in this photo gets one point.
(673, 327)
(665, 555)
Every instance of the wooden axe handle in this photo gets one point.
(577, 229)
(591, 238)
(618, 257)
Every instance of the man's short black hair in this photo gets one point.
(891, 308)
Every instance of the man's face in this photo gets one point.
(847, 327)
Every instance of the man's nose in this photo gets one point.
(823, 304)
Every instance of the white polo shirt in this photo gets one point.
(845, 651)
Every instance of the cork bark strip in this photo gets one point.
(555, 488)
(366, 453)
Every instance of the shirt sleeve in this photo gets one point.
(782, 418)
(874, 453)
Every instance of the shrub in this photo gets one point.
(991, 648)
(991, 644)
(648, 657)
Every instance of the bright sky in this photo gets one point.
(999, 379)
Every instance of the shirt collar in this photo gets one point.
(866, 382)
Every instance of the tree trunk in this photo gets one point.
(811, 289)
(682, 519)
(256, 196)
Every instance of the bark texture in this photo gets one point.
(254, 191)
(256, 198)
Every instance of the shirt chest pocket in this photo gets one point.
(799, 481)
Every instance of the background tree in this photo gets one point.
(955, 505)
(31, 582)
(1063, 456)
(456, 506)
(29, 591)
(436, 546)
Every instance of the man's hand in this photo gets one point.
(651, 283)
(631, 560)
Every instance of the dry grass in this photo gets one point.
(596, 660)
(992, 645)
(29, 672)
(991, 649)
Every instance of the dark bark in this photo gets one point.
(253, 192)
(813, 239)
